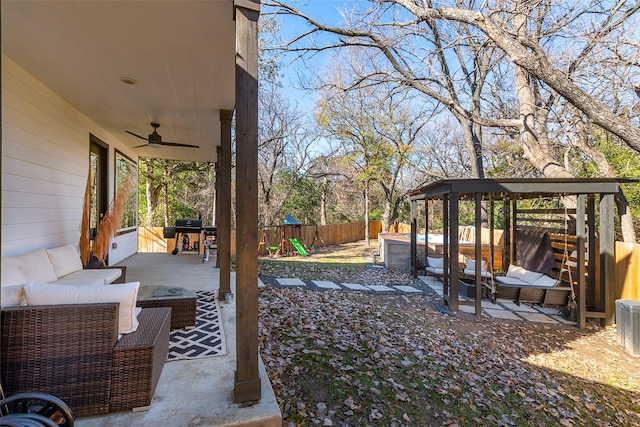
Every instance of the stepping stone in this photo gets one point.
(290, 282)
(519, 308)
(537, 317)
(467, 309)
(408, 289)
(502, 314)
(380, 288)
(355, 287)
(551, 311)
(325, 285)
(490, 305)
(260, 283)
(437, 290)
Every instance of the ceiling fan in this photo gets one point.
(155, 140)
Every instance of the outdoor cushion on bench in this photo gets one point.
(470, 269)
(435, 266)
(522, 285)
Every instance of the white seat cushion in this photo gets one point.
(35, 266)
(123, 293)
(435, 270)
(108, 275)
(65, 260)
(507, 280)
(530, 277)
(545, 281)
(80, 281)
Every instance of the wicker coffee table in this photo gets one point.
(182, 302)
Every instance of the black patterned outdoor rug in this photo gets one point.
(206, 339)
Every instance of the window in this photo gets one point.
(125, 168)
(98, 184)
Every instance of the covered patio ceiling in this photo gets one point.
(181, 53)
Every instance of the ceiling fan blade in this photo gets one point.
(136, 135)
(177, 144)
(140, 146)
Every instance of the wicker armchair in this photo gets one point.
(73, 352)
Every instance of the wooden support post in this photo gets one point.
(506, 234)
(514, 232)
(581, 235)
(446, 290)
(478, 255)
(454, 248)
(607, 261)
(216, 197)
(426, 230)
(594, 298)
(223, 179)
(414, 241)
(247, 379)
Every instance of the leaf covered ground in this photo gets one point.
(355, 359)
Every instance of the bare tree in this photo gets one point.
(378, 129)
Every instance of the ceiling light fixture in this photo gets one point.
(129, 81)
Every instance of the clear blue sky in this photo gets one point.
(325, 11)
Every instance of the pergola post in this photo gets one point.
(478, 254)
(581, 237)
(454, 249)
(446, 290)
(607, 261)
(247, 385)
(413, 249)
(223, 221)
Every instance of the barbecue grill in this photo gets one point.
(184, 227)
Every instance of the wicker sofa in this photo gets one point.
(73, 352)
(80, 338)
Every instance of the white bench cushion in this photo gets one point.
(123, 293)
(107, 275)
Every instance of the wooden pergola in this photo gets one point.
(595, 292)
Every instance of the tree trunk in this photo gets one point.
(323, 203)
(165, 191)
(582, 142)
(367, 239)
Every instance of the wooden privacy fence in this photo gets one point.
(627, 271)
(150, 239)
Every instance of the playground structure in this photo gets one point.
(290, 236)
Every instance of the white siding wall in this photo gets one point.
(45, 160)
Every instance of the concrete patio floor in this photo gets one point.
(193, 392)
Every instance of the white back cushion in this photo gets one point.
(123, 293)
(516, 272)
(35, 266)
(435, 262)
(64, 259)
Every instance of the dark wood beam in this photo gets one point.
(224, 204)
(247, 379)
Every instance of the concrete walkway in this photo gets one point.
(502, 310)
